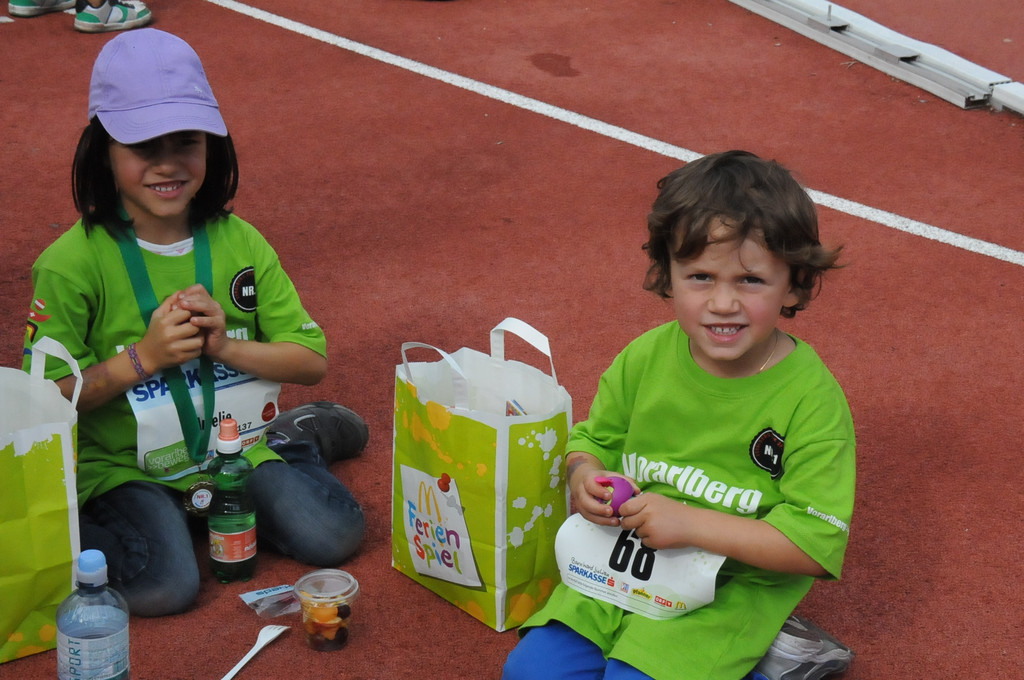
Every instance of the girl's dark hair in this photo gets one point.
(754, 198)
(95, 194)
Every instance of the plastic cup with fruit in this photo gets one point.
(326, 596)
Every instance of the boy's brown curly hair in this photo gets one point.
(754, 198)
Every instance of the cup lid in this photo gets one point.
(327, 584)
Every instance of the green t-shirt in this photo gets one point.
(83, 298)
(777, 446)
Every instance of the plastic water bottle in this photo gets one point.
(92, 626)
(232, 517)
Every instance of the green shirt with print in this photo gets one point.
(777, 446)
(84, 299)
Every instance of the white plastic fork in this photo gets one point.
(267, 635)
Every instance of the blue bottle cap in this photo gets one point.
(92, 568)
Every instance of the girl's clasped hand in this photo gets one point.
(185, 326)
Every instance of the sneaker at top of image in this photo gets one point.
(112, 15)
(33, 8)
(802, 651)
(337, 432)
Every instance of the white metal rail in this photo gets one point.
(926, 66)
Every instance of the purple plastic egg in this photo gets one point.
(622, 491)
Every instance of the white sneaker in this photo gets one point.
(33, 8)
(112, 15)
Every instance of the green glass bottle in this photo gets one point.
(232, 517)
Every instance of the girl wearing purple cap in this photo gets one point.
(179, 314)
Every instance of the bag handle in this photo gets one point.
(47, 346)
(535, 338)
(459, 381)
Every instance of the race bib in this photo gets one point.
(612, 565)
(163, 453)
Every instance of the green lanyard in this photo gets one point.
(197, 435)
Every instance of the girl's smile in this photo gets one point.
(157, 180)
(169, 189)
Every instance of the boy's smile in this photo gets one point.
(728, 300)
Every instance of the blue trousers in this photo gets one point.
(302, 511)
(557, 652)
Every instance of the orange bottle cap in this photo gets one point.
(228, 429)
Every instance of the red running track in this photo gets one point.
(410, 209)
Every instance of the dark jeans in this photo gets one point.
(302, 511)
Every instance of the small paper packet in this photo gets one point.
(271, 602)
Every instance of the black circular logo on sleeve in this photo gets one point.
(766, 452)
(243, 290)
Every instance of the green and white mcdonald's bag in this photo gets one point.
(478, 484)
(38, 503)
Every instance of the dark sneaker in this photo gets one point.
(802, 651)
(337, 432)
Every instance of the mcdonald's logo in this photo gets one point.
(426, 497)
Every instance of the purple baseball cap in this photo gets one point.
(147, 83)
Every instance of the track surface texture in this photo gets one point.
(426, 169)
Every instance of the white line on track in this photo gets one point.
(843, 205)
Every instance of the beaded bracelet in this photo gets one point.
(134, 356)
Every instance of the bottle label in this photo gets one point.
(233, 547)
(103, 658)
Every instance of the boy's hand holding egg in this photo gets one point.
(621, 490)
